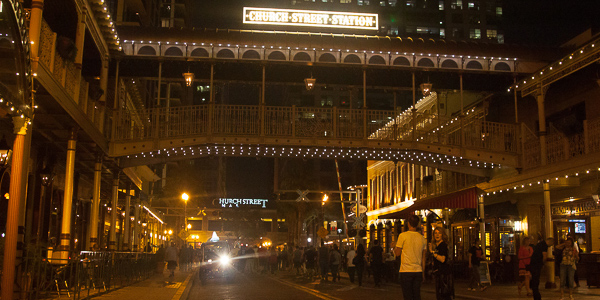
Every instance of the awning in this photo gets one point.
(461, 199)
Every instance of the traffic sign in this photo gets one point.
(322, 232)
(302, 196)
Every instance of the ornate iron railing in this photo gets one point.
(311, 122)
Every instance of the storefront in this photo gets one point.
(578, 218)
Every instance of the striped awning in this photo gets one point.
(461, 199)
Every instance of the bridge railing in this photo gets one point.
(311, 122)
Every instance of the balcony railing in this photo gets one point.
(68, 77)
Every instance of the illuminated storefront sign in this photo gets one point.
(575, 208)
(313, 18)
(240, 202)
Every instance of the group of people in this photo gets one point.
(531, 262)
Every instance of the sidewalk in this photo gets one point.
(156, 287)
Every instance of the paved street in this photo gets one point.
(286, 286)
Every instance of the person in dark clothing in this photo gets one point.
(444, 286)
(539, 256)
(324, 262)
(475, 258)
(310, 256)
(376, 256)
(359, 262)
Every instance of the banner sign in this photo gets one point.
(312, 18)
(239, 202)
(575, 208)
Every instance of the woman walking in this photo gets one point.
(525, 253)
(567, 266)
(444, 287)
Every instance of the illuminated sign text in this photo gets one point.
(313, 18)
(238, 202)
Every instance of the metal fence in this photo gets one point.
(88, 274)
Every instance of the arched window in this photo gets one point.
(474, 65)
(352, 59)
(251, 54)
(449, 64)
(276, 55)
(501, 66)
(425, 62)
(327, 57)
(401, 61)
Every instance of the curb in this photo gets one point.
(184, 290)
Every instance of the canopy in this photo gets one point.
(466, 198)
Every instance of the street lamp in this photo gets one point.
(426, 88)
(185, 198)
(189, 78)
(310, 83)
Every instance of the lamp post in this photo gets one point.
(185, 198)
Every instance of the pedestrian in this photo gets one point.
(390, 270)
(359, 262)
(576, 246)
(376, 257)
(350, 267)
(273, 259)
(568, 266)
(412, 248)
(160, 259)
(148, 248)
(310, 257)
(444, 285)
(171, 259)
(297, 260)
(525, 253)
(335, 259)
(539, 256)
(475, 258)
(324, 262)
(183, 256)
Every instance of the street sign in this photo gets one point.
(362, 209)
(358, 223)
(322, 232)
(183, 234)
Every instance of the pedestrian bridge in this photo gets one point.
(155, 135)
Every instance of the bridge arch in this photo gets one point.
(450, 64)
(474, 65)
(352, 59)
(225, 53)
(425, 62)
(502, 66)
(174, 51)
(251, 54)
(199, 52)
(302, 56)
(276, 55)
(327, 57)
(377, 60)
(401, 61)
(147, 50)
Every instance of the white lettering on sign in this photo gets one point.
(313, 18)
(237, 202)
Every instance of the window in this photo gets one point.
(475, 33)
(359, 2)
(442, 32)
(394, 30)
(410, 3)
(456, 4)
(392, 2)
(422, 30)
(499, 11)
(441, 5)
(500, 38)
(345, 1)
(491, 33)
(382, 3)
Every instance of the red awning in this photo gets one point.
(461, 199)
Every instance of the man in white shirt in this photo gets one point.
(412, 248)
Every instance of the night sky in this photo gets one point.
(526, 22)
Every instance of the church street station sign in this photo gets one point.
(243, 202)
(312, 18)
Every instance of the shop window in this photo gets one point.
(499, 11)
(491, 33)
(500, 38)
(475, 33)
(456, 4)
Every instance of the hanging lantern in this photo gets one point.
(310, 83)
(189, 78)
(426, 89)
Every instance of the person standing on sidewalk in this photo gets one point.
(351, 268)
(335, 260)
(359, 262)
(567, 266)
(376, 256)
(412, 248)
(525, 253)
(324, 262)
(475, 258)
(444, 285)
(539, 256)
(171, 259)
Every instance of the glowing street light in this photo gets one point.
(185, 198)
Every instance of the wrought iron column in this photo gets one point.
(414, 109)
(462, 114)
(212, 82)
(104, 86)
(364, 107)
(112, 244)
(35, 29)
(159, 84)
(116, 104)
(93, 225)
(127, 219)
(542, 123)
(65, 236)
(515, 93)
(549, 233)
(16, 199)
(136, 225)
(482, 222)
(79, 44)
